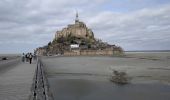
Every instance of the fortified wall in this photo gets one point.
(92, 53)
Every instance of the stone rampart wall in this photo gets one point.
(91, 52)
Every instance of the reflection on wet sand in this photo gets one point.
(87, 78)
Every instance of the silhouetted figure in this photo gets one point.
(23, 57)
(27, 57)
(30, 57)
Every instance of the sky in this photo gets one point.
(131, 24)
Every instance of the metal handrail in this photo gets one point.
(40, 89)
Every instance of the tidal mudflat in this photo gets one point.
(87, 78)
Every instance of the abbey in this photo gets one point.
(78, 29)
(77, 39)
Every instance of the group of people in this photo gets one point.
(28, 57)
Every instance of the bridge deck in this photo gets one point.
(16, 81)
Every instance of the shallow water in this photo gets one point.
(87, 78)
(80, 89)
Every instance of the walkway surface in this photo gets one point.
(16, 82)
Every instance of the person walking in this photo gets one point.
(30, 57)
(26, 56)
(23, 57)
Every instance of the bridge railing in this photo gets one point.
(40, 88)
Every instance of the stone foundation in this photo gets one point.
(91, 52)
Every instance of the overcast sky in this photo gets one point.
(131, 24)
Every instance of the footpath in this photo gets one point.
(16, 82)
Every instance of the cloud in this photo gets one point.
(33, 23)
(144, 27)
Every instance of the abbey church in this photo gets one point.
(78, 29)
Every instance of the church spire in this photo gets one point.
(77, 17)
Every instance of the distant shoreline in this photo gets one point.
(148, 51)
(10, 54)
(4, 54)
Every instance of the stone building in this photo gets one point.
(40, 51)
(78, 29)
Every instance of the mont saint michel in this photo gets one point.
(78, 39)
(84, 50)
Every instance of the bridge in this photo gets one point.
(22, 81)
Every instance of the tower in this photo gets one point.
(77, 17)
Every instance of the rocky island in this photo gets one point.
(77, 39)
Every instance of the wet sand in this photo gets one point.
(9, 56)
(87, 78)
(83, 89)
